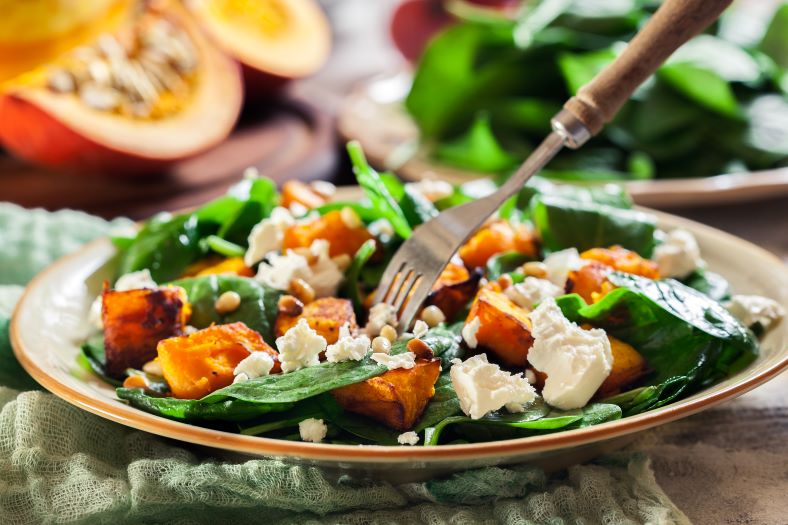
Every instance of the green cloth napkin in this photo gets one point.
(59, 464)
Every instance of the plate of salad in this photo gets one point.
(709, 127)
(570, 320)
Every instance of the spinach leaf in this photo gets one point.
(478, 149)
(775, 41)
(258, 307)
(350, 286)
(376, 191)
(506, 263)
(94, 353)
(417, 208)
(702, 86)
(580, 69)
(222, 246)
(562, 223)
(166, 245)
(309, 408)
(444, 403)
(361, 427)
(688, 339)
(712, 284)
(196, 410)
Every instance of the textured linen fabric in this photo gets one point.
(59, 464)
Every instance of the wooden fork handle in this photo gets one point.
(675, 22)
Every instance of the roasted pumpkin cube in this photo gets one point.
(215, 265)
(623, 260)
(343, 236)
(396, 398)
(297, 192)
(326, 316)
(628, 367)
(589, 281)
(504, 327)
(136, 320)
(497, 237)
(454, 289)
(197, 364)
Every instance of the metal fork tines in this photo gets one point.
(417, 264)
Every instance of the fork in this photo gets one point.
(413, 270)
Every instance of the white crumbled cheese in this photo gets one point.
(380, 315)
(300, 347)
(530, 376)
(392, 362)
(130, 281)
(751, 309)
(483, 387)
(267, 235)
(325, 276)
(469, 332)
(560, 263)
(347, 347)
(576, 361)
(408, 438)
(381, 228)
(514, 408)
(324, 187)
(420, 329)
(433, 189)
(256, 364)
(532, 291)
(312, 430)
(280, 270)
(678, 255)
(297, 209)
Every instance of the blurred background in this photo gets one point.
(128, 107)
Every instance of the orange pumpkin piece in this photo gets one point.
(454, 288)
(628, 367)
(497, 237)
(217, 265)
(344, 236)
(589, 281)
(623, 260)
(197, 364)
(297, 192)
(397, 398)
(136, 320)
(504, 327)
(325, 316)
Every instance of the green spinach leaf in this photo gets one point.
(258, 307)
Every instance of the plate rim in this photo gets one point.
(126, 415)
(726, 188)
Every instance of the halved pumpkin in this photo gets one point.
(275, 40)
(59, 130)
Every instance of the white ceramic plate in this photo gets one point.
(373, 115)
(50, 323)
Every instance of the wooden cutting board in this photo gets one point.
(284, 139)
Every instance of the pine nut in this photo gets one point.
(303, 290)
(351, 218)
(381, 345)
(389, 332)
(290, 306)
(535, 269)
(433, 316)
(227, 302)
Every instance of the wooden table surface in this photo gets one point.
(726, 465)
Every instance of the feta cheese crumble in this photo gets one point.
(560, 263)
(408, 438)
(380, 315)
(323, 275)
(256, 364)
(279, 270)
(532, 291)
(432, 189)
(267, 235)
(392, 362)
(420, 329)
(678, 255)
(300, 347)
(483, 387)
(469, 332)
(751, 309)
(576, 361)
(130, 281)
(312, 430)
(347, 347)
